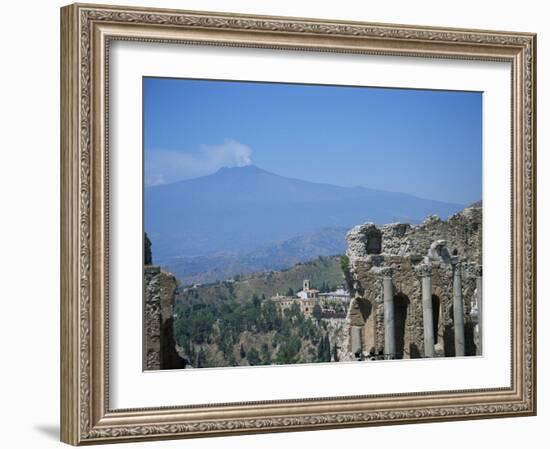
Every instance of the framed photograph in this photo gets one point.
(280, 224)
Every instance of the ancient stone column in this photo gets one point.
(389, 312)
(356, 341)
(458, 311)
(425, 273)
(479, 298)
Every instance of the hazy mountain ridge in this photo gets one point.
(276, 256)
(246, 219)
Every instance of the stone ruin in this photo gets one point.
(159, 294)
(417, 290)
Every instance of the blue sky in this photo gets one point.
(426, 143)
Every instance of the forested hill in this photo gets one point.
(323, 271)
(275, 256)
(234, 323)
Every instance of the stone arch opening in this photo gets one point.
(448, 337)
(401, 307)
(373, 240)
(436, 307)
(471, 347)
(360, 311)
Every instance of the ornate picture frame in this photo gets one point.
(87, 32)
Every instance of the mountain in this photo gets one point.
(241, 210)
(274, 256)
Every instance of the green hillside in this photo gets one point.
(234, 323)
(321, 271)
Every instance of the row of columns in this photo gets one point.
(425, 273)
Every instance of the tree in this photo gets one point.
(321, 350)
(270, 316)
(326, 355)
(344, 265)
(201, 359)
(253, 357)
(317, 312)
(242, 352)
(290, 292)
(147, 254)
(295, 311)
(265, 354)
(231, 361)
(288, 352)
(335, 353)
(256, 301)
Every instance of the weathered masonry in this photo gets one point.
(159, 341)
(417, 289)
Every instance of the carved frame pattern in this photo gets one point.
(86, 32)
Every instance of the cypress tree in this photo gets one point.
(326, 347)
(147, 254)
(321, 350)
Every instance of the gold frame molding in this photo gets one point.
(86, 31)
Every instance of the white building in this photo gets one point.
(340, 294)
(307, 292)
(308, 298)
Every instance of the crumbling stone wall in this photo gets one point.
(159, 341)
(462, 232)
(446, 245)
